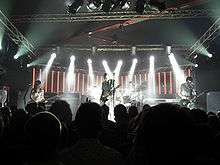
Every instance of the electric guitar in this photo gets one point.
(105, 95)
(188, 102)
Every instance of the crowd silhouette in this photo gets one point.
(162, 134)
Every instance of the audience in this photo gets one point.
(42, 132)
(88, 149)
(161, 134)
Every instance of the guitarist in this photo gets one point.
(187, 92)
(37, 94)
(106, 88)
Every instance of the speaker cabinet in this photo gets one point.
(213, 101)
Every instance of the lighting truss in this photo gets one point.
(113, 47)
(206, 38)
(111, 16)
(14, 34)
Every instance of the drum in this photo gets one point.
(126, 99)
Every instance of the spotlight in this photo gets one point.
(104, 62)
(158, 4)
(196, 65)
(120, 62)
(75, 6)
(94, 5)
(118, 68)
(151, 78)
(16, 57)
(132, 69)
(47, 68)
(125, 4)
(210, 55)
(89, 61)
(168, 50)
(133, 50)
(107, 69)
(70, 78)
(140, 6)
(178, 72)
(28, 65)
(72, 58)
(53, 55)
(107, 5)
(135, 60)
(91, 73)
(151, 58)
(195, 56)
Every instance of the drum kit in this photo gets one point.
(132, 95)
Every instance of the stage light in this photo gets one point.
(135, 60)
(195, 56)
(75, 6)
(168, 50)
(70, 78)
(107, 5)
(210, 55)
(133, 50)
(140, 6)
(94, 5)
(1, 37)
(47, 68)
(72, 58)
(125, 4)
(196, 65)
(151, 78)
(107, 69)
(117, 70)
(91, 73)
(16, 56)
(178, 72)
(89, 61)
(28, 65)
(158, 4)
(132, 69)
(53, 55)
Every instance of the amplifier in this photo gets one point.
(213, 101)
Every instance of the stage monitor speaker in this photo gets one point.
(213, 101)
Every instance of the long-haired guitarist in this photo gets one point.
(37, 93)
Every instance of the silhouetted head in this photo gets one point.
(120, 113)
(132, 112)
(61, 109)
(89, 120)
(146, 107)
(163, 135)
(199, 116)
(43, 131)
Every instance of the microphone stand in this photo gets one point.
(113, 85)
